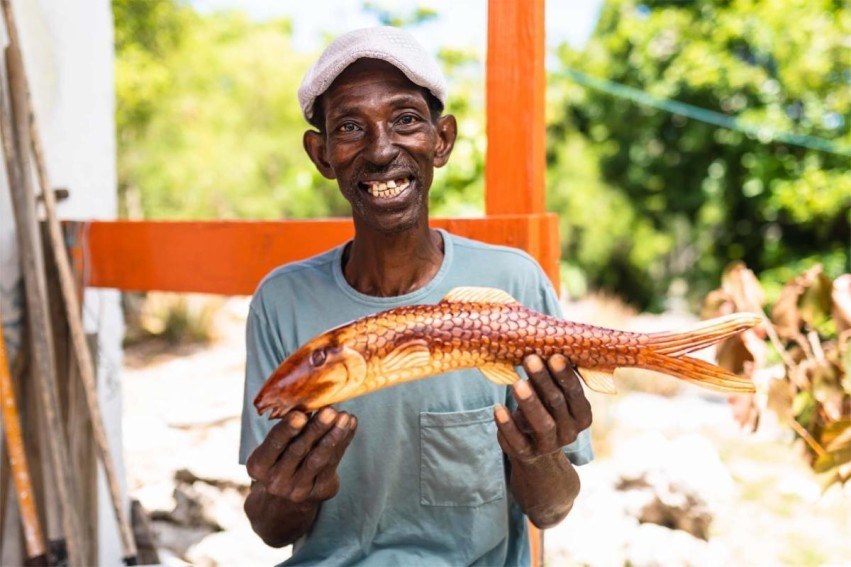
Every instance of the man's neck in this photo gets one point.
(383, 265)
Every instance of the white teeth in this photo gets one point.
(387, 189)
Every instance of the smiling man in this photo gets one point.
(442, 471)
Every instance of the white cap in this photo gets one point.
(394, 45)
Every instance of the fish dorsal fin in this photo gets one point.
(411, 354)
(598, 380)
(503, 374)
(478, 295)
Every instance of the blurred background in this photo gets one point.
(698, 157)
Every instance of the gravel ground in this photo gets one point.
(181, 412)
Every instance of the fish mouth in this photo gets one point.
(271, 401)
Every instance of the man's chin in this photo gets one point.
(390, 223)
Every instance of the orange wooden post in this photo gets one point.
(516, 84)
(516, 159)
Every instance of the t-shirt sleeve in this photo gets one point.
(263, 354)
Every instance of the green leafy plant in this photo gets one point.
(804, 376)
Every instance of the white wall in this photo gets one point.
(68, 53)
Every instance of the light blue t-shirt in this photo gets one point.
(424, 481)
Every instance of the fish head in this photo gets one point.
(324, 371)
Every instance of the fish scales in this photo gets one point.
(486, 329)
(512, 333)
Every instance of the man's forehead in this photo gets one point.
(372, 70)
(369, 72)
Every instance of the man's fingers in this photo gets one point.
(510, 438)
(568, 378)
(324, 456)
(547, 386)
(540, 421)
(329, 449)
(282, 471)
(328, 482)
(279, 438)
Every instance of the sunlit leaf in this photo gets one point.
(780, 399)
(838, 477)
(718, 302)
(815, 303)
(785, 314)
(846, 366)
(804, 408)
(827, 389)
(841, 296)
(732, 354)
(836, 434)
(743, 287)
(832, 459)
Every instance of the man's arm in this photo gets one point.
(551, 413)
(294, 470)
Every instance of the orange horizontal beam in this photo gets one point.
(230, 257)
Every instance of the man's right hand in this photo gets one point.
(294, 470)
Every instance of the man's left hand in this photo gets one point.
(552, 410)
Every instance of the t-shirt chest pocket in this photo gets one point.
(461, 463)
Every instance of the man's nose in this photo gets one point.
(382, 149)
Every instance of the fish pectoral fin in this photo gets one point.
(598, 380)
(411, 354)
(478, 295)
(502, 374)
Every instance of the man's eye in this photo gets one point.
(347, 127)
(408, 119)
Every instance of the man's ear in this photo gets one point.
(314, 145)
(447, 130)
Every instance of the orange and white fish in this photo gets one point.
(487, 329)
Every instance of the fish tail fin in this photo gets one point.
(676, 344)
(697, 372)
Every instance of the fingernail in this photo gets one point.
(500, 413)
(522, 389)
(534, 363)
(298, 420)
(327, 415)
(558, 363)
(343, 420)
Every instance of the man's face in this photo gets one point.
(381, 145)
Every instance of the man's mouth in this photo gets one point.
(388, 188)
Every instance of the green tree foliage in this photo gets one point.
(210, 125)
(648, 196)
(219, 130)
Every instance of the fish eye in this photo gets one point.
(317, 357)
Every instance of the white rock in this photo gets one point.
(234, 548)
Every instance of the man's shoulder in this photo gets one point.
(511, 269)
(468, 249)
(308, 272)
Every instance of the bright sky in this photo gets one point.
(461, 23)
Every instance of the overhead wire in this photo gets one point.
(761, 132)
